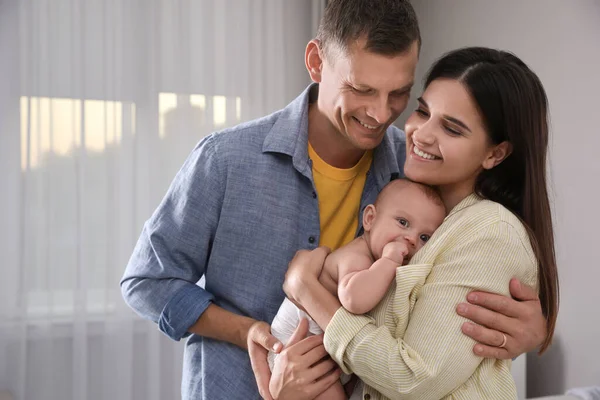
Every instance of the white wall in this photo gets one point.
(560, 40)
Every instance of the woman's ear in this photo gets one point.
(497, 155)
(314, 60)
(369, 217)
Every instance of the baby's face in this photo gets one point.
(405, 214)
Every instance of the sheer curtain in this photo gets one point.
(100, 103)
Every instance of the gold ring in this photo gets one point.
(503, 340)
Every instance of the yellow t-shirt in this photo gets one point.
(339, 192)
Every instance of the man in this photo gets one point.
(248, 197)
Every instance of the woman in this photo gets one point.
(479, 135)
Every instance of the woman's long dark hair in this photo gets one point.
(514, 107)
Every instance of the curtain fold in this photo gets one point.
(100, 103)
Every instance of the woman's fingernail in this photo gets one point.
(277, 347)
(462, 308)
(472, 297)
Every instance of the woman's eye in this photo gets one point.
(422, 112)
(403, 222)
(452, 131)
(424, 238)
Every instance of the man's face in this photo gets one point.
(362, 93)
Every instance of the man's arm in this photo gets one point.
(170, 256)
(218, 323)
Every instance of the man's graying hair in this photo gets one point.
(389, 26)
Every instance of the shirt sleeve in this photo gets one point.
(433, 357)
(170, 256)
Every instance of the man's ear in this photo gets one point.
(313, 58)
(369, 217)
(497, 155)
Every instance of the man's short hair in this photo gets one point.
(390, 27)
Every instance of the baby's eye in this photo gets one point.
(424, 238)
(403, 222)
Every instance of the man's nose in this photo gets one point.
(380, 111)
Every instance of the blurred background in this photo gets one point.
(102, 100)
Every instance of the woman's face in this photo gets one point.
(446, 142)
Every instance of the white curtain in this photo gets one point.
(100, 103)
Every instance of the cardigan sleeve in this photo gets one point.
(433, 357)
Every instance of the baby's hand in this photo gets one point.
(396, 251)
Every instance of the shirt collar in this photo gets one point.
(289, 135)
(468, 201)
(385, 162)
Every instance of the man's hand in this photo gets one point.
(300, 373)
(260, 342)
(520, 319)
(397, 251)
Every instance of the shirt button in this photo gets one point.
(314, 195)
(311, 239)
(367, 396)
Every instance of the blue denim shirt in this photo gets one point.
(237, 211)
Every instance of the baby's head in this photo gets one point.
(403, 211)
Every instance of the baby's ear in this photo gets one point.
(368, 217)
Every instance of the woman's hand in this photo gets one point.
(305, 268)
(519, 319)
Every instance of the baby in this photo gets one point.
(401, 221)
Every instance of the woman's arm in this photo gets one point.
(433, 357)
